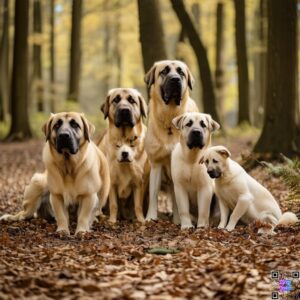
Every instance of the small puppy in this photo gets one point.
(238, 192)
(191, 181)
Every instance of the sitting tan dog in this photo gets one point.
(192, 184)
(76, 170)
(123, 144)
(238, 192)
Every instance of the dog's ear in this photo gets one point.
(190, 79)
(201, 161)
(177, 122)
(88, 128)
(150, 76)
(105, 107)
(213, 125)
(47, 127)
(224, 152)
(143, 106)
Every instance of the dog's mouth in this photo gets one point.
(124, 117)
(214, 174)
(172, 91)
(66, 146)
(124, 160)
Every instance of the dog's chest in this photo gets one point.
(193, 176)
(228, 195)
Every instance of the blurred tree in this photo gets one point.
(219, 72)
(151, 32)
(242, 62)
(52, 56)
(37, 54)
(282, 112)
(4, 64)
(75, 51)
(20, 127)
(208, 93)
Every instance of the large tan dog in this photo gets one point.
(169, 82)
(192, 184)
(240, 193)
(76, 170)
(123, 144)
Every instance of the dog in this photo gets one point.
(240, 193)
(123, 144)
(76, 170)
(192, 184)
(169, 82)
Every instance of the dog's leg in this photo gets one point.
(85, 213)
(182, 201)
(138, 204)
(60, 212)
(154, 186)
(113, 205)
(176, 218)
(224, 210)
(204, 197)
(32, 198)
(240, 209)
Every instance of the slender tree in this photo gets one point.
(20, 127)
(279, 134)
(151, 32)
(52, 56)
(208, 93)
(75, 51)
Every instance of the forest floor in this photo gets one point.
(112, 262)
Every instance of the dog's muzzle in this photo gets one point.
(195, 139)
(214, 174)
(172, 90)
(124, 117)
(124, 157)
(66, 142)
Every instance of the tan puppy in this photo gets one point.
(123, 144)
(191, 182)
(240, 193)
(76, 170)
(169, 82)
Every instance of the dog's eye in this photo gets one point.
(131, 100)
(202, 124)
(207, 161)
(215, 161)
(189, 124)
(180, 72)
(74, 124)
(118, 146)
(116, 99)
(165, 71)
(58, 124)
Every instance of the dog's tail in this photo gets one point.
(288, 218)
(105, 176)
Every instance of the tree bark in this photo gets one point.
(4, 64)
(52, 56)
(208, 93)
(20, 128)
(75, 51)
(282, 112)
(242, 62)
(151, 32)
(37, 54)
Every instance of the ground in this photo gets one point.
(113, 262)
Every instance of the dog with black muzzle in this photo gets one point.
(169, 82)
(193, 187)
(240, 193)
(76, 171)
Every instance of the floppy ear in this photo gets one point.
(178, 121)
(201, 161)
(150, 76)
(190, 79)
(224, 152)
(47, 127)
(105, 107)
(213, 125)
(88, 128)
(143, 106)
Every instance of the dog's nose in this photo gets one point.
(175, 79)
(124, 154)
(64, 135)
(196, 133)
(125, 111)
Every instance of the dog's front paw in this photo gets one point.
(112, 220)
(62, 233)
(186, 226)
(230, 227)
(151, 216)
(12, 218)
(221, 226)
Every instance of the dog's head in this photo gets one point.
(215, 160)
(195, 129)
(68, 131)
(124, 107)
(171, 79)
(126, 150)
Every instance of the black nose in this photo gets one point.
(125, 111)
(64, 135)
(196, 133)
(175, 79)
(124, 155)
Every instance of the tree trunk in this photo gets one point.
(242, 62)
(282, 112)
(20, 128)
(208, 93)
(219, 72)
(52, 56)
(75, 51)
(4, 64)
(151, 32)
(37, 54)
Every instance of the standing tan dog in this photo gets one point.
(76, 170)
(123, 144)
(192, 184)
(169, 82)
(240, 193)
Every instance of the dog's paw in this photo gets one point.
(112, 221)
(186, 226)
(230, 227)
(221, 226)
(62, 233)
(141, 220)
(12, 218)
